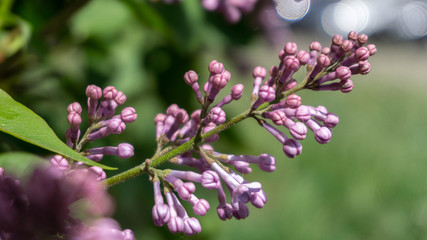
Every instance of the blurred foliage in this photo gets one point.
(368, 183)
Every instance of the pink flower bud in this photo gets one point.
(292, 148)
(259, 72)
(109, 92)
(93, 91)
(97, 172)
(58, 162)
(343, 73)
(346, 85)
(352, 35)
(303, 113)
(120, 98)
(237, 91)
(315, 46)
(216, 67)
(74, 107)
(128, 115)
(290, 48)
(125, 150)
(190, 77)
(293, 101)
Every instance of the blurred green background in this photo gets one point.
(369, 182)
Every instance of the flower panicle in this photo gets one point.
(276, 108)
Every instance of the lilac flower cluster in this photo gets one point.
(272, 100)
(39, 208)
(232, 10)
(102, 105)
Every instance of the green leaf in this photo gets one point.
(20, 164)
(20, 122)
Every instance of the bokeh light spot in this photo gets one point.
(292, 9)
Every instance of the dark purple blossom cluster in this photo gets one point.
(39, 208)
(102, 105)
(272, 100)
(231, 9)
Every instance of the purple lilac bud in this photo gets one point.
(266, 94)
(298, 130)
(210, 180)
(98, 173)
(315, 48)
(200, 206)
(278, 117)
(236, 94)
(123, 150)
(362, 40)
(361, 54)
(293, 101)
(218, 82)
(1, 172)
(58, 162)
(242, 212)
(173, 122)
(216, 115)
(93, 93)
(352, 35)
(320, 113)
(184, 190)
(322, 62)
(191, 78)
(266, 162)
(191, 225)
(259, 74)
(372, 49)
(303, 57)
(292, 147)
(291, 64)
(160, 212)
(190, 128)
(159, 120)
(175, 223)
(74, 119)
(74, 107)
(321, 134)
(128, 115)
(115, 126)
(106, 107)
(290, 48)
(224, 210)
(346, 86)
(341, 72)
(337, 41)
(120, 98)
(303, 113)
(259, 199)
(326, 51)
(240, 191)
